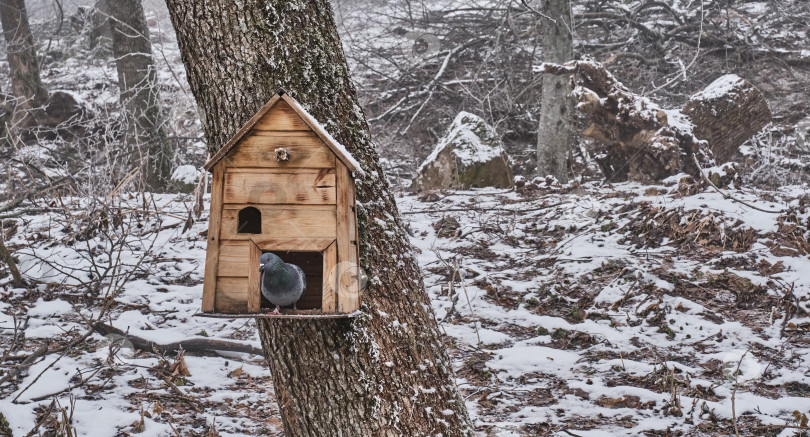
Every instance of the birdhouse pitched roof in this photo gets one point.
(338, 149)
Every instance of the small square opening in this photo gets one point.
(312, 265)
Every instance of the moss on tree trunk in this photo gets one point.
(386, 372)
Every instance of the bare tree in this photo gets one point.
(26, 84)
(140, 94)
(554, 133)
(385, 372)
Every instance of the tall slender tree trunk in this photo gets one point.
(554, 133)
(385, 372)
(26, 84)
(140, 95)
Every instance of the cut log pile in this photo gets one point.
(638, 140)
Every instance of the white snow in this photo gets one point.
(467, 144)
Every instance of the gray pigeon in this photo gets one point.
(282, 283)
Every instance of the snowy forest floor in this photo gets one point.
(590, 311)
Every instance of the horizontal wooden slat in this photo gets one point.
(259, 150)
(231, 295)
(280, 186)
(233, 258)
(294, 244)
(282, 118)
(282, 222)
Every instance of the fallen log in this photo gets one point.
(640, 141)
(190, 346)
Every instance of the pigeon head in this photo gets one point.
(268, 261)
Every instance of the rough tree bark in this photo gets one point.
(140, 95)
(638, 140)
(26, 84)
(554, 134)
(386, 372)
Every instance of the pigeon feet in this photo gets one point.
(275, 311)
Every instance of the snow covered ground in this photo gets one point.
(592, 311)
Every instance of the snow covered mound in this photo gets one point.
(469, 155)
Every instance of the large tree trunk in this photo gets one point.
(387, 371)
(639, 141)
(137, 79)
(554, 134)
(26, 84)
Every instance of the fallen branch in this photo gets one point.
(475, 208)
(192, 346)
(729, 196)
(25, 364)
(5, 256)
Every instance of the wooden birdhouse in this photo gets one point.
(282, 184)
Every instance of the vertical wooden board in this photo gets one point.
(355, 241)
(232, 295)
(280, 186)
(254, 298)
(329, 302)
(212, 250)
(282, 118)
(348, 292)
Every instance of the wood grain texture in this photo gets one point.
(243, 130)
(233, 258)
(329, 298)
(282, 118)
(294, 244)
(283, 222)
(258, 150)
(232, 294)
(280, 186)
(254, 297)
(348, 295)
(212, 250)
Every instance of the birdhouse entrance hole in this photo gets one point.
(250, 221)
(312, 265)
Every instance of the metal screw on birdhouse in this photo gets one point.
(282, 154)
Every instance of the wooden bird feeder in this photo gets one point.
(282, 184)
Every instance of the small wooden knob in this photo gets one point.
(282, 154)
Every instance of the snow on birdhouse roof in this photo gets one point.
(337, 148)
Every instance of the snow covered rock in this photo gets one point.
(185, 178)
(469, 155)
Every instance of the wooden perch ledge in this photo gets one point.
(190, 346)
(640, 141)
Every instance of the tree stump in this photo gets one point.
(726, 114)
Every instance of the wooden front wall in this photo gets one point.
(305, 204)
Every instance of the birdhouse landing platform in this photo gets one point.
(282, 184)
